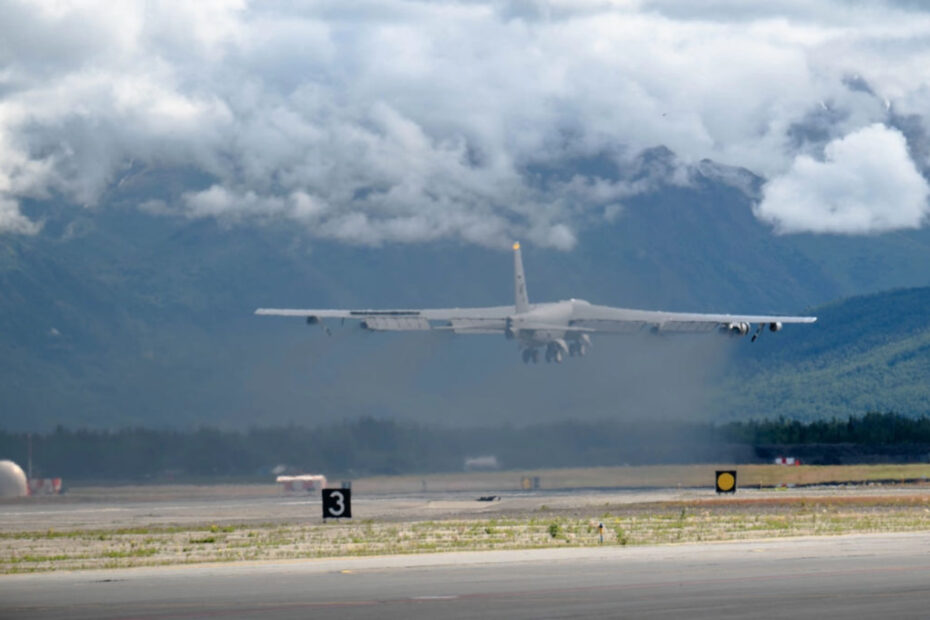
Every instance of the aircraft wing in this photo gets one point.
(560, 328)
(609, 319)
(491, 320)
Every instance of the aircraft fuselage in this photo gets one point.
(549, 326)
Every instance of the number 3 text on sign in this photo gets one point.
(337, 503)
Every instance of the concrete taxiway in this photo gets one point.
(863, 576)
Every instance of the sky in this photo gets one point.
(390, 121)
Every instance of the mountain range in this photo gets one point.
(115, 317)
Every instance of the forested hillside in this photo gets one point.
(864, 354)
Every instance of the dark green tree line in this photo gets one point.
(369, 446)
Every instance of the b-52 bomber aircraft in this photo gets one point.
(558, 328)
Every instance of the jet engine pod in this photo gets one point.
(775, 327)
(738, 329)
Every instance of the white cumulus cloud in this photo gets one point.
(406, 121)
(866, 183)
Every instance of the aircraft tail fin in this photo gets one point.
(521, 300)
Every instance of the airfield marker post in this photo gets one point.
(337, 504)
(725, 481)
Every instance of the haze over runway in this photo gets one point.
(828, 577)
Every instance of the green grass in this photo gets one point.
(143, 552)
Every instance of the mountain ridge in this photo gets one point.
(115, 316)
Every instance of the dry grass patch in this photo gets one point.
(637, 524)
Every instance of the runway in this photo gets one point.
(861, 576)
(124, 510)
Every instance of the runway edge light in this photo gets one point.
(726, 481)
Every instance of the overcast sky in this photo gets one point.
(404, 121)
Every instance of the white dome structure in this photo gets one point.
(12, 480)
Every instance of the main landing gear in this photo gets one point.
(577, 348)
(531, 355)
(556, 351)
(554, 354)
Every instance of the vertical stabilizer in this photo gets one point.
(521, 300)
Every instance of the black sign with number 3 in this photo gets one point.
(337, 503)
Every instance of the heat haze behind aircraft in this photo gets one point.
(558, 329)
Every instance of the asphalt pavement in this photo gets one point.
(862, 576)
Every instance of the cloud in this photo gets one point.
(12, 221)
(406, 121)
(865, 183)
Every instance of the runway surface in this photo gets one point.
(69, 513)
(865, 576)
(119, 508)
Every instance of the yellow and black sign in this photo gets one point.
(726, 481)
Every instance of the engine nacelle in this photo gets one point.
(775, 327)
(738, 329)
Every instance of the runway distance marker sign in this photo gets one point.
(337, 503)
